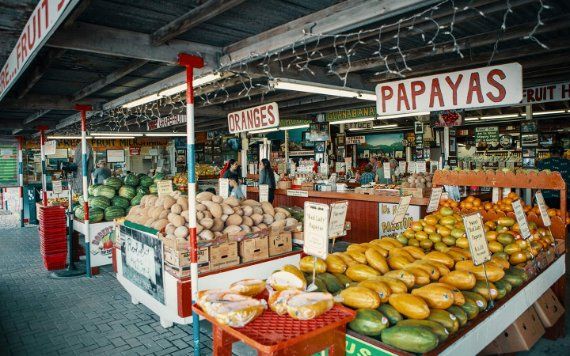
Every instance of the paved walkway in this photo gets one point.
(43, 316)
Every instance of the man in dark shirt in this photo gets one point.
(556, 163)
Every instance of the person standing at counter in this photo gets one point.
(380, 172)
(266, 176)
(101, 173)
(374, 164)
(233, 175)
(367, 176)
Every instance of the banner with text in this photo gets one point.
(257, 118)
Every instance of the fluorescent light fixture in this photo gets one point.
(113, 137)
(206, 79)
(286, 128)
(549, 112)
(198, 82)
(134, 134)
(474, 118)
(66, 137)
(349, 121)
(388, 126)
(316, 88)
(166, 134)
(396, 116)
(273, 129)
(502, 116)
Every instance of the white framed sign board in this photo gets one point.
(57, 187)
(543, 209)
(434, 199)
(315, 228)
(521, 219)
(263, 193)
(337, 218)
(224, 187)
(164, 187)
(476, 236)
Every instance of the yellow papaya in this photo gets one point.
(436, 296)
(409, 305)
(462, 280)
(405, 276)
(335, 264)
(360, 297)
(376, 260)
(379, 287)
(361, 272)
(307, 264)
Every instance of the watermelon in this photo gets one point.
(145, 181)
(99, 202)
(95, 214)
(120, 202)
(131, 180)
(114, 212)
(140, 175)
(153, 189)
(142, 190)
(158, 176)
(91, 189)
(127, 191)
(114, 182)
(104, 191)
(136, 200)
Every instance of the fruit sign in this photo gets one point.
(543, 209)
(386, 226)
(480, 87)
(315, 228)
(521, 219)
(476, 236)
(257, 118)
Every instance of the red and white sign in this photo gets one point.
(481, 87)
(166, 122)
(546, 93)
(41, 24)
(134, 151)
(257, 118)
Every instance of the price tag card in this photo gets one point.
(420, 167)
(402, 209)
(224, 187)
(476, 236)
(315, 229)
(263, 193)
(402, 167)
(411, 167)
(338, 218)
(50, 147)
(57, 187)
(164, 187)
(297, 193)
(506, 192)
(386, 168)
(434, 199)
(543, 209)
(521, 219)
(495, 195)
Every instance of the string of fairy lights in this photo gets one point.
(386, 46)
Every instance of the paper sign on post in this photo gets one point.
(315, 229)
(402, 209)
(434, 199)
(420, 167)
(263, 193)
(476, 236)
(495, 195)
(386, 168)
(543, 209)
(412, 167)
(57, 187)
(224, 187)
(50, 147)
(506, 192)
(521, 219)
(338, 218)
(164, 187)
(402, 167)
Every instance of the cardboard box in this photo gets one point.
(298, 236)
(181, 258)
(548, 308)
(519, 336)
(254, 249)
(280, 243)
(183, 272)
(224, 255)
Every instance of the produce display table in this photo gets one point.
(371, 215)
(483, 329)
(172, 300)
(272, 334)
(102, 238)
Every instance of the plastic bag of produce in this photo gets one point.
(307, 306)
(278, 300)
(239, 313)
(249, 287)
(282, 280)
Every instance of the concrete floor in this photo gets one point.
(43, 316)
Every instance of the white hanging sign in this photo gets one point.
(495, 195)
(338, 218)
(50, 147)
(411, 167)
(57, 187)
(402, 167)
(543, 209)
(402, 209)
(164, 187)
(297, 193)
(434, 199)
(224, 187)
(259, 117)
(263, 193)
(420, 167)
(521, 219)
(473, 88)
(355, 140)
(546, 93)
(476, 237)
(315, 229)
(506, 192)
(387, 172)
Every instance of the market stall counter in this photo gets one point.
(369, 214)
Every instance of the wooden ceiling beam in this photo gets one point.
(191, 19)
